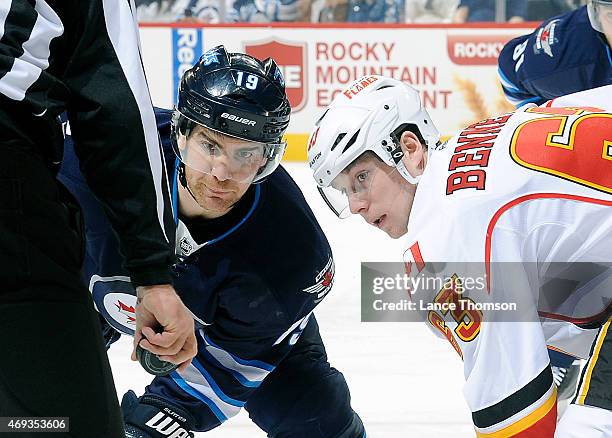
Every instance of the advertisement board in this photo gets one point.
(453, 67)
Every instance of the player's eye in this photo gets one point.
(362, 177)
(211, 148)
(245, 155)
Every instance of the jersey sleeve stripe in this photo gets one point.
(513, 100)
(583, 392)
(236, 375)
(540, 423)
(519, 98)
(249, 363)
(213, 385)
(521, 102)
(26, 69)
(506, 83)
(119, 18)
(588, 322)
(199, 384)
(247, 376)
(527, 396)
(195, 394)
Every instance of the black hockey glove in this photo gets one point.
(153, 417)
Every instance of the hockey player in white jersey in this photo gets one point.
(532, 188)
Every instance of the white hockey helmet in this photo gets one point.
(370, 115)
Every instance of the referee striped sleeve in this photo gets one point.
(123, 35)
(30, 32)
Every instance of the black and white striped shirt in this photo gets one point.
(82, 56)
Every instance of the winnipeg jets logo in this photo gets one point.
(127, 311)
(545, 39)
(210, 57)
(278, 75)
(324, 281)
(119, 309)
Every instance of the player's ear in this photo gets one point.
(414, 151)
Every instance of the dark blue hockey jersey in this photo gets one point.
(562, 56)
(251, 279)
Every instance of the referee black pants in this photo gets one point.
(52, 359)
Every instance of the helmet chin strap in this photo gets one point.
(406, 175)
(183, 181)
(396, 156)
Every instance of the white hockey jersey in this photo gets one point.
(527, 197)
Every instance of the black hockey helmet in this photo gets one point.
(237, 95)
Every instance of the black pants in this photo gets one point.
(53, 362)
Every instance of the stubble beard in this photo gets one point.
(208, 201)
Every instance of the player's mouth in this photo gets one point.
(380, 221)
(218, 192)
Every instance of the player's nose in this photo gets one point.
(221, 170)
(358, 205)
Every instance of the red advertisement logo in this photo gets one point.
(475, 49)
(291, 58)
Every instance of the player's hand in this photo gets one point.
(160, 308)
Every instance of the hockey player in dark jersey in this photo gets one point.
(254, 265)
(81, 57)
(566, 54)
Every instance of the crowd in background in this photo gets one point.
(352, 11)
